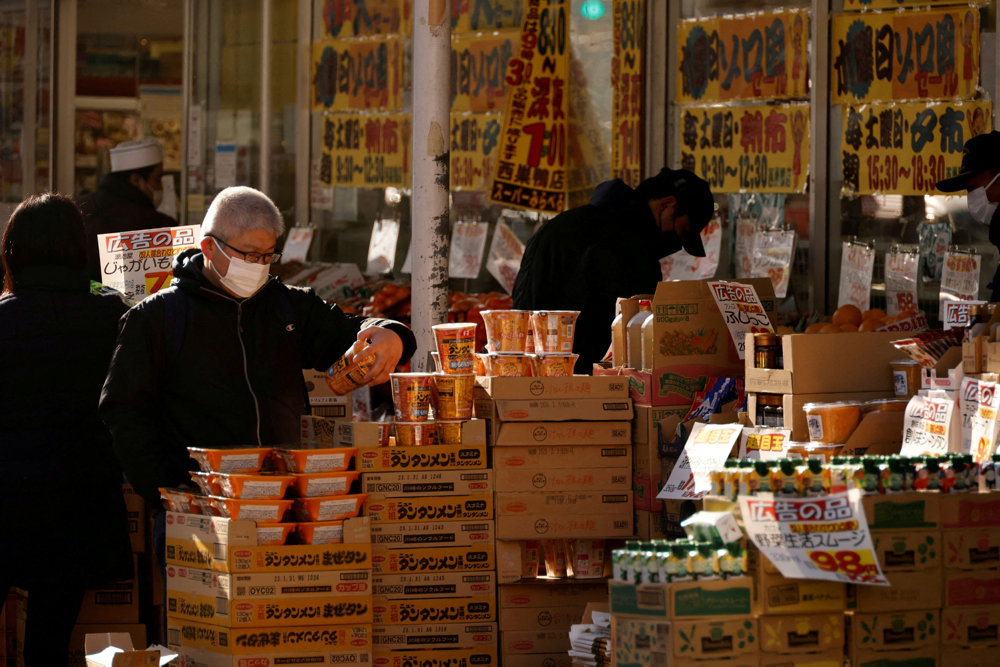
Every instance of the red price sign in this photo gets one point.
(858, 566)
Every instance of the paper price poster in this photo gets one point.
(479, 61)
(707, 448)
(139, 263)
(682, 266)
(766, 444)
(959, 280)
(382, 246)
(297, 244)
(814, 538)
(474, 140)
(930, 424)
(629, 91)
(956, 313)
(773, 252)
(901, 281)
(365, 150)
(741, 310)
(357, 75)
(504, 259)
(968, 406)
(856, 265)
(468, 240)
(983, 417)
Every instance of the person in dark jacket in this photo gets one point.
(979, 176)
(64, 525)
(587, 257)
(126, 199)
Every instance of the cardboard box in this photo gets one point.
(135, 508)
(525, 516)
(426, 483)
(640, 642)
(426, 457)
(645, 487)
(563, 479)
(433, 585)
(901, 550)
(104, 649)
(970, 510)
(903, 511)
(554, 409)
(556, 659)
(474, 657)
(420, 534)
(547, 458)
(926, 656)
(433, 610)
(561, 387)
(509, 567)
(972, 657)
(77, 648)
(665, 524)
(320, 431)
(416, 560)
(893, 630)
(828, 659)
(384, 509)
(567, 593)
(543, 619)
(971, 626)
(646, 427)
(706, 638)
(643, 600)
(562, 433)
(802, 633)
(320, 394)
(828, 364)
(972, 548)
(716, 599)
(185, 634)
(742, 660)
(202, 658)
(971, 588)
(779, 595)
(116, 603)
(347, 433)
(908, 590)
(533, 641)
(792, 406)
(437, 636)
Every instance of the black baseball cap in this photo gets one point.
(980, 153)
(694, 198)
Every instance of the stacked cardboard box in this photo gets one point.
(433, 555)
(233, 602)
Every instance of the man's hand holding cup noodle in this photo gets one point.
(387, 348)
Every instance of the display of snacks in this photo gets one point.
(509, 364)
(206, 482)
(553, 330)
(449, 432)
(832, 423)
(314, 484)
(506, 330)
(330, 459)
(230, 459)
(251, 486)
(328, 508)
(549, 364)
(321, 532)
(451, 396)
(411, 396)
(456, 343)
(266, 511)
(179, 500)
(416, 433)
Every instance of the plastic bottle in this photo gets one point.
(648, 353)
(618, 357)
(634, 344)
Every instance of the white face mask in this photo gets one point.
(243, 278)
(157, 198)
(980, 207)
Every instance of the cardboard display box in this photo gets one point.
(802, 633)
(184, 634)
(640, 642)
(433, 585)
(828, 659)
(742, 660)
(721, 599)
(972, 657)
(202, 658)
(890, 631)
(713, 639)
(77, 650)
(553, 409)
(435, 636)
(779, 595)
(971, 588)
(420, 534)
(903, 511)
(433, 610)
(926, 656)
(562, 433)
(525, 516)
(116, 603)
(902, 550)
(543, 619)
(792, 406)
(547, 458)
(426, 483)
(970, 510)
(665, 524)
(533, 641)
(908, 590)
(384, 509)
(555, 659)
(971, 626)
(560, 387)
(566, 480)
(542, 595)
(972, 548)
(426, 457)
(477, 657)
(416, 560)
(645, 389)
(320, 394)
(136, 510)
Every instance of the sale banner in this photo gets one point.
(983, 425)
(362, 18)
(504, 259)
(140, 263)
(930, 424)
(758, 56)
(772, 256)
(814, 538)
(856, 265)
(479, 63)
(908, 55)
(628, 92)
(764, 443)
(486, 15)
(357, 75)
(382, 246)
(365, 150)
(901, 269)
(907, 148)
(683, 266)
(468, 239)
(741, 310)
(532, 160)
(474, 138)
(707, 448)
(758, 148)
(959, 282)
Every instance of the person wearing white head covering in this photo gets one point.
(126, 198)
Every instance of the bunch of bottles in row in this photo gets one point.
(894, 473)
(673, 561)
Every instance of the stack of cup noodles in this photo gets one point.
(526, 343)
(573, 558)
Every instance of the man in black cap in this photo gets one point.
(585, 258)
(979, 176)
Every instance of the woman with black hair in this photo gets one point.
(63, 526)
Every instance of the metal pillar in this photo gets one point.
(429, 203)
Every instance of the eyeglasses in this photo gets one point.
(252, 257)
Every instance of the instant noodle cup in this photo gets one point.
(832, 423)
(452, 396)
(415, 433)
(554, 330)
(230, 459)
(552, 364)
(332, 459)
(449, 432)
(267, 511)
(274, 534)
(206, 482)
(309, 485)
(329, 508)
(510, 364)
(456, 343)
(347, 372)
(587, 557)
(506, 330)
(321, 532)
(481, 363)
(411, 396)
(436, 358)
(251, 485)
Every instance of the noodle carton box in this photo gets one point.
(426, 483)
(478, 657)
(436, 635)
(433, 585)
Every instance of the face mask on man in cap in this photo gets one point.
(978, 175)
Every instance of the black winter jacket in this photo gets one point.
(61, 507)
(585, 258)
(232, 375)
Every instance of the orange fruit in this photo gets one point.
(871, 324)
(814, 328)
(873, 313)
(829, 327)
(849, 327)
(847, 314)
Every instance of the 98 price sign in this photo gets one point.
(853, 566)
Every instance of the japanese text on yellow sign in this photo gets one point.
(479, 63)
(357, 75)
(906, 148)
(365, 150)
(363, 18)
(905, 55)
(756, 56)
(474, 138)
(476, 15)
(759, 148)
(531, 164)
(896, 4)
(627, 100)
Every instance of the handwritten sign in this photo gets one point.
(468, 239)
(856, 265)
(901, 269)
(357, 75)
(756, 56)
(479, 63)
(907, 55)
(931, 422)
(959, 283)
(706, 449)
(763, 443)
(362, 18)
(906, 148)
(486, 15)
(365, 150)
(892, 4)
(823, 538)
(759, 148)
(474, 140)
(741, 310)
(140, 263)
(983, 425)
(629, 92)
